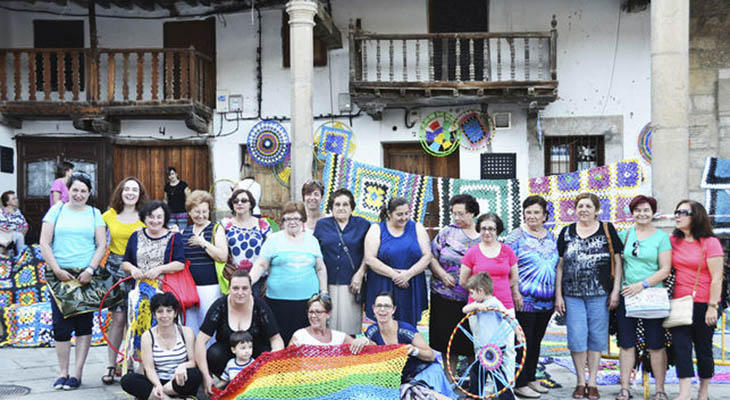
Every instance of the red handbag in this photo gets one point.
(181, 284)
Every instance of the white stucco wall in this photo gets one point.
(7, 180)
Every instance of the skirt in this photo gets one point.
(346, 315)
(445, 314)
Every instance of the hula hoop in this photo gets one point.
(101, 307)
(519, 338)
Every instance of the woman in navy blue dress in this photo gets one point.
(397, 252)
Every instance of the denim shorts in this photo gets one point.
(626, 327)
(587, 321)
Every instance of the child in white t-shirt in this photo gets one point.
(483, 324)
(242, 348)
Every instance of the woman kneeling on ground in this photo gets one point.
(167, 356)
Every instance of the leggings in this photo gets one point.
(140, 387)
(534, 325)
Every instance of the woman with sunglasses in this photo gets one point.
(318, 333)
(422, 373)
(697, 259)
(296, 270)
(647, 262)
(245, 233)
(312, 193)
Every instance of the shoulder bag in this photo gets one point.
(181, 283)
(359, 296)
(680, 310)
(650, 303)
(610, 248)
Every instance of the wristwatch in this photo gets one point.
(713, 305)
(645, 283)
(89, 270)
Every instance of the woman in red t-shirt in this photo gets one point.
(697, 258)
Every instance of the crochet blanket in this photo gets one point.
(321, 373)
(500, 196)
(373, 186)
(615, 185)
(716, 182)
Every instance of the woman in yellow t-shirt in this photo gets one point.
(121, 219)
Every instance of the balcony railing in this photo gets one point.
(453, 64)
(106, 77)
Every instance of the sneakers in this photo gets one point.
(536, 386)
(526, 392)
(58, 384)
(71, 384)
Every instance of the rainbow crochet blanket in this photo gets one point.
(373, 186)
(615, 185)
(321, 373)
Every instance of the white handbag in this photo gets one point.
(681, 309)
(651, 303)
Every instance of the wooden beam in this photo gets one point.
(196, 123)
(97, 125)
(14, 123)
(325, 29)
(144, 4)
(168, 5)
(125, 4)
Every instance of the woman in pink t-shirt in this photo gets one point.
(494, 258)
(59, 191)
(697, 258)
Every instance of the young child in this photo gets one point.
(242, 348)
(483, 325)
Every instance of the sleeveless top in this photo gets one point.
(166, 361)
(202, 266)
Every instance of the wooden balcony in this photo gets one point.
(98, 88)
(441, 69)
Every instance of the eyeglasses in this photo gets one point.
(239, 201)
(292, 219)
(488, 229)
(383, 306)
(459, 214)
(317, 312)
(685, 213)
(200, 212)
(635, 252)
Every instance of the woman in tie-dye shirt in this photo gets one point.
(537, 255)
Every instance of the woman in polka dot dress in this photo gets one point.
(245, 233)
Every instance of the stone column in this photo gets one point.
(670, 101)
(301, 42)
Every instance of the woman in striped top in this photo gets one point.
(167, 356)
(204, 245)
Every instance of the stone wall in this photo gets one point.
(709, 63)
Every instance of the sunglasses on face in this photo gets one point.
(684, 213)
(240, 201)
(318, 297)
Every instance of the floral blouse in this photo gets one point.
(449, 247)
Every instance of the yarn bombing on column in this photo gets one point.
(320, 373)
(615, 185)
(372, 186)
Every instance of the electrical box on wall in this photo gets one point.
(221, 103)
(235, 103)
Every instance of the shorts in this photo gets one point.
(626, 327)
(587, 321)
(80, 325)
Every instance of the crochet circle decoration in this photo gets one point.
(645, 142)
(475, 129)
(268, 143)
(333, 137)
(438, 134)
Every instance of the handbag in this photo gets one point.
(680, 309)
(181, 284)
(223, 269)
(359, 296)
(650, 303)
(74, 298)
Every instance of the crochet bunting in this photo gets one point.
(321, 373)
(615, 185)
(500, 196)
(373, 186)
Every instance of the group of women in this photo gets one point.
(307, 283)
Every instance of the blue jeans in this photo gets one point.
(587, 321)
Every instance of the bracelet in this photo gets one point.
(713, 305)
(645, 283)
(415, 352)
(89, 270)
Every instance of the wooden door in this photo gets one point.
(410, 157)
(37, 160)
(186, 34)
(149, 161)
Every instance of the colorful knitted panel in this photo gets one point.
(22, 279)
(500, 196)
(32, 325)
(322, 373)
(614, 184)
(716, 182)
(373, 186)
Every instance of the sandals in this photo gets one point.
(580, 392)
(108, 379)
(592, 393)
(625, 394)
(660, 396)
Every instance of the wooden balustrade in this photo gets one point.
(107, 77)
(453, 57)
